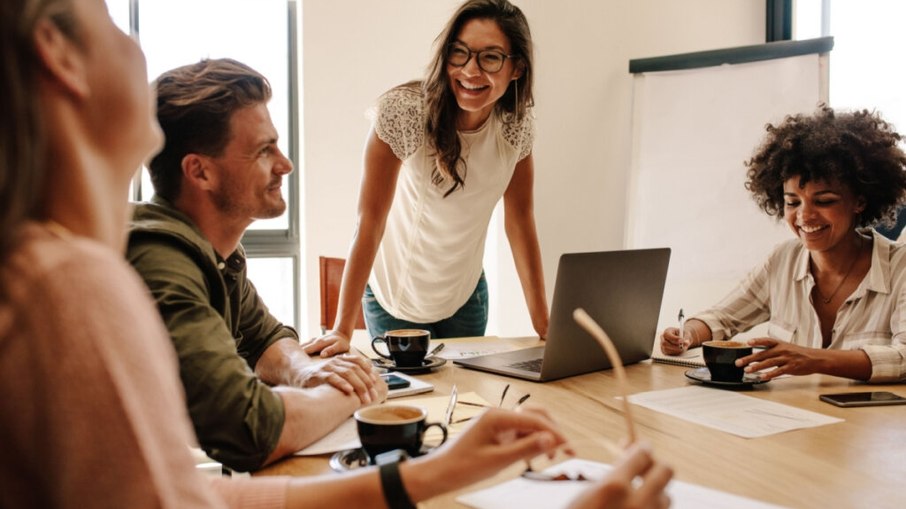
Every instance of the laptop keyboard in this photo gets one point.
(533, 365)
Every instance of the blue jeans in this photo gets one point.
(468, 321)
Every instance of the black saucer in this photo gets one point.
(704, 376)
(429, 364)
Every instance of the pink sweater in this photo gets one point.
(92, 412)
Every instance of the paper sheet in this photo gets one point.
(731, 412)
(346, 437)
(462, 414)
(528, 494)
(343, 438)
(464, 349)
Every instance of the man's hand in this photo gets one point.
(286, 363)
(328, 345)
(352, 374)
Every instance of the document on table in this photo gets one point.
(346, 437)
(731, 412)
(343, 438)
(464, 411)
(528, 494)
(463, 349)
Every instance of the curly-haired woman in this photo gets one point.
(835, 297)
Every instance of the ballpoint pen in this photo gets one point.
(682, 329)
(448, 417)
(436, 350)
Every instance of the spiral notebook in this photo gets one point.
(691, 358)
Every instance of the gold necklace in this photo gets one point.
(852, 264)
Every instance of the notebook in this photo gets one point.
(691, 358)
(620, 290)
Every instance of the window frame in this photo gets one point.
(267, 243)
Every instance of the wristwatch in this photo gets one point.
(391, 483)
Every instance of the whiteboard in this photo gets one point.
(693, 130)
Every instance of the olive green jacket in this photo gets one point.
(219, 326)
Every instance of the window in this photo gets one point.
(262, 34)
(868, 38)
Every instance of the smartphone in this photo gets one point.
(874, 398)
(395, 381)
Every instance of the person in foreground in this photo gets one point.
(441, 154)
(94, 412)
(254, 395)
(835, 297)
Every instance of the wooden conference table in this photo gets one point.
(860, 462)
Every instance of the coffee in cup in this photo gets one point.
(384, 428)
(720, 357)
(407, 348)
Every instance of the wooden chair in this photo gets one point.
(331, 274)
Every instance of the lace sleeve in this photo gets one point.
(398, 121)
(520, 134)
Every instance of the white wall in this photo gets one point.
(353, 51)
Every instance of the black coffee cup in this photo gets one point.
(407, 347)
(384, 428)
(720, 357)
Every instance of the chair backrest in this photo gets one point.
(331, 274)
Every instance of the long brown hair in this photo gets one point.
(23, 164)
(440, 104)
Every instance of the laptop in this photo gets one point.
(621, 290)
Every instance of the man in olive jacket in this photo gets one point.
(254, 396)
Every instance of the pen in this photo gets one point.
(448, 418)
(682, 328)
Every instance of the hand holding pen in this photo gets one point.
(673, 339)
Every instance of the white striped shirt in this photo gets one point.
(779, 292)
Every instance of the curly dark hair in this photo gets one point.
(858, 149)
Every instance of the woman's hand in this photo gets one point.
(541, 326)
(496, 439)
(672, 343)
(695, 332)
(789, 359)
(328, 345)
(618, 491)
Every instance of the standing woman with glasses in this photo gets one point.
(440, 155)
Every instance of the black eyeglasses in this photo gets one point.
(489, 60)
